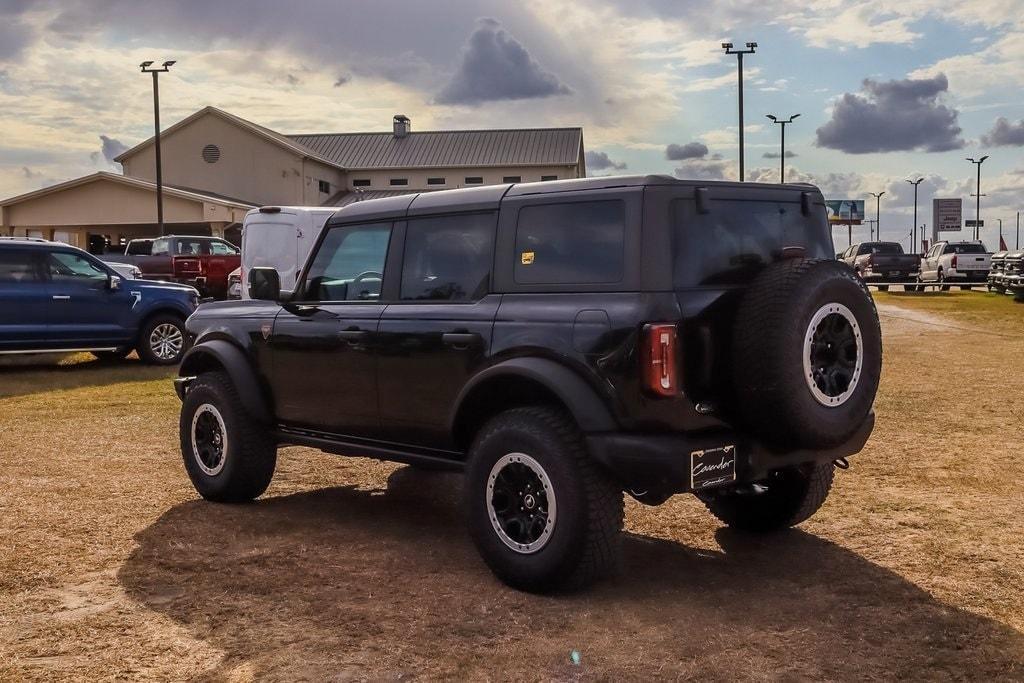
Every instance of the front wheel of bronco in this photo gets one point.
(540, 512)
(229, 456)
(786, 498)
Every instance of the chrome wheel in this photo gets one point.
(521, 503)
(166, 341)
(833, 355)
(209, 439)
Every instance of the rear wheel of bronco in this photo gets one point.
(541, 513)
(162, 340)
(786, 498)
(807, 354)
(229, 456)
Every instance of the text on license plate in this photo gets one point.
(712, 467)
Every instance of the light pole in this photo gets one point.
(782, 152)
(977, 205)
(739, 71)
(913, 242)
(1018, 231)
(147, 69)
(1000, 232)
(878, 213)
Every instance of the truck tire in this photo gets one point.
(566, 532)
(229, 456)
(162, 340)
(807, 354)
(786, 498)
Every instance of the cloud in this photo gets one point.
(111, 148)
(898, 115)
(704, 167)
(495, 66)
(775, 155)
(691, 150)
(342, 80)
(600, 161)
(15, 36)
(1004, 133)
(30, 174)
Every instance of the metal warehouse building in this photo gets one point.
(217, 166)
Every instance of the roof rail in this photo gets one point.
(15, 238)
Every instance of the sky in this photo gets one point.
(886, 91)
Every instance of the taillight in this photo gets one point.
(658, 359)
(952, 263)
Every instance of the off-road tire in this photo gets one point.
(250, 456)
(145, 351)
(774, 397)
(792, 495)
(585, 541)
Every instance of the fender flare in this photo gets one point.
(228, 356)
(582, 400)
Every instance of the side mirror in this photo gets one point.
(113, 283)
(265, 284)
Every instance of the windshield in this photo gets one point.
(737, 238)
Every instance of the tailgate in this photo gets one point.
(894, 262)
(972, 261)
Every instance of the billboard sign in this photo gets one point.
(947, 214)
(845, 211)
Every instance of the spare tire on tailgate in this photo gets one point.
(807, 353)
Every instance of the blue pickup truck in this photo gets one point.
(56, 298)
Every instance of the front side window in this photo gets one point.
(349, 266)
(572, 243)
(160, 247)
(222, 249)
(448, 258)
(68, 268)
(18, 266)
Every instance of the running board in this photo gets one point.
(52, 351)
(440, 460)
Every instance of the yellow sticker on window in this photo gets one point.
(527, 258)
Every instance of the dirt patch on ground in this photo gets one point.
(110, 567)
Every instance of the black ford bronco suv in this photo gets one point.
(560, 343)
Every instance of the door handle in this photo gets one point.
(353, 336)
(460, 340)
(61, 297)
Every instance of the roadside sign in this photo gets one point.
(845, 211)
(971, 223)
(947, 214)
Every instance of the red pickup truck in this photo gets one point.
(203, 262)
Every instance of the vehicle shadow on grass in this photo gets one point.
(23, 375)
(347, 582)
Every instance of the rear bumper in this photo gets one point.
(967, 276)
(884, 276)
(661, 462)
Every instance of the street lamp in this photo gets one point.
(782, 152)
(977, 205)
(739, 71)
(147, 68)
(913, 244)
(878, 213)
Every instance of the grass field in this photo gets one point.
(110, 567)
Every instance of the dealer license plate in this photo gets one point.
(712, 467)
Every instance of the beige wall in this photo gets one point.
(455, 177)
(250, 168)
(105, 202)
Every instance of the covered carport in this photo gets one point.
(105, 210)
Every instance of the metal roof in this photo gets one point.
(452, 149)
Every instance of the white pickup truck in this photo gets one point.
(956, 262)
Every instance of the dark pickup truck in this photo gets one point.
(882, 262)
(202, 262)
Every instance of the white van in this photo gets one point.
(280, 237)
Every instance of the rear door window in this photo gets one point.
(448, 258)
(734, 241)
(19, 266)
(571, 243)
(187, 247)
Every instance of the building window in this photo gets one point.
(361, 182)
(325, 186)
(211, 154)
(512, 179)
(399, 181)
(435, 181)
(545, 178)
(474, 180)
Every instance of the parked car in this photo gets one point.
(1013, 278)
(57, 298)
(882, 262)
(125, 270)
(280, 237)
(996, 273)
(200, 262)
(956, 262)
(558, 342)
